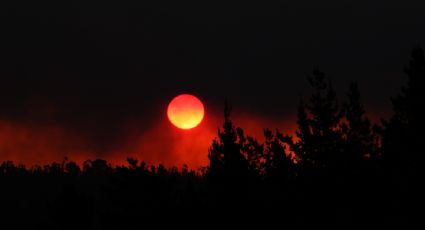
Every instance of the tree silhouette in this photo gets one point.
(226, 157)
(336, 169)
(409, 112)
(278, 164)
(361, 142)
(72, 168)
(403, 135)
(319, 137)
(253, 151)
(357, 128)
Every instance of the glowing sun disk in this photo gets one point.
(185, 111)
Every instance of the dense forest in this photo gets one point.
(339, 168)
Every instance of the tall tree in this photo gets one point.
(227, 160)
(404, 132)
(357, 129)
(318, 135)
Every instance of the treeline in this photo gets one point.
(339, 167)
(338, 158)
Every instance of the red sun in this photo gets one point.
(185, 111)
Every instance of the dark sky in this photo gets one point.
(94, 69)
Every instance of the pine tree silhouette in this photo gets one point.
(319, 137)
(226, 157)
(360, 144)
(279, 166)
(337, 169)
(402, 141)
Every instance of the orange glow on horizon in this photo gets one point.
(31, 144)
(185, 111)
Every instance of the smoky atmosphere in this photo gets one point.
(132, 110)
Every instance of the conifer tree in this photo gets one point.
(225, 155)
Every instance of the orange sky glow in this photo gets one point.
(161, 143)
